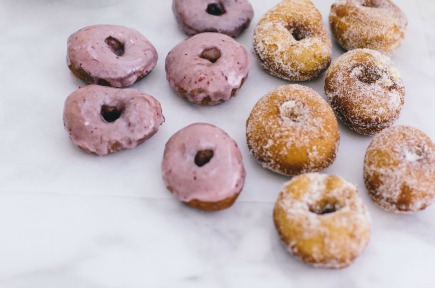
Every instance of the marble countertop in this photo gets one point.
(68, 219)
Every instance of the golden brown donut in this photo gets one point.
(322, 221)
(291, 42)
(375, 24)
(365, 90)
(399, 170)
(292, 130)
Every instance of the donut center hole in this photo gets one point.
(327, 206)
(202, 157)
(292, 111)
(116, 46)
(111, 113)
(216, 9)
(414, 155)
(211, 54)
(368, 76)
(370, 3)
(298, 34)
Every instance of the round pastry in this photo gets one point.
(291, 42)
(229, 17)
(292, 130)
(110, 55)
(202, 167)
(208, 68)
(365, 90)
(322, 221)
(374, 24)
(399, 170)
(103, 120)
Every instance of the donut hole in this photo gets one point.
(367, 75)
(325, 206)
(292, 111)
(370, 3)
(414, 154)
(211, 54)
(298, 34)
(111, 113)
(116, 46)
(202, 157)
(216, 9)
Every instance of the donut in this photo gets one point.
(208, 68)
(292, 130)
(103, 120)
(203, 167)
(322, 221)
(374, 24)
(110, 55)
(365, 90)
(228, 17)
(399, 170)
(291, 42)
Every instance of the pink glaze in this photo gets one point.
(139, 119)
(229, 17)
(200, 80)
(88, 52)
(221, 178)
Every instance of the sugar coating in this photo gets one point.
(365, 90)
(292, 130)
(331, 240)
(399, 170)
(375, 24)
(284, 56)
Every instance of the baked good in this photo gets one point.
(202, 167)
(374, 24)
(208, 68)
(291, 42)
(103, 120)
(292, 130)
(322, 221)
(365, 90)
(228, 17)
(399, 170)
(110, 55)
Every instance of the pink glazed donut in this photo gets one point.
(103, 120)
(110, 55)
(203, 167)
(229, 17)
(208, 68)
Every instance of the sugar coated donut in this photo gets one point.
(292, 130)
(374, 24)
(104, 120)
(202, 167)
(291, 41)
(322, 221)
(208, 68)
(365, 90)
(399, 170)
(229, 17)
(110, 55)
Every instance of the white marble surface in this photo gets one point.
(68, 219)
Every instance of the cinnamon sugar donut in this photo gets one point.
(292, 130)
(365, 90)
(103, 120)
(374, 24)
(291, 42)
(322, 221)
(203, 167)
(110, 55)
(399, 170)
(228, 17)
